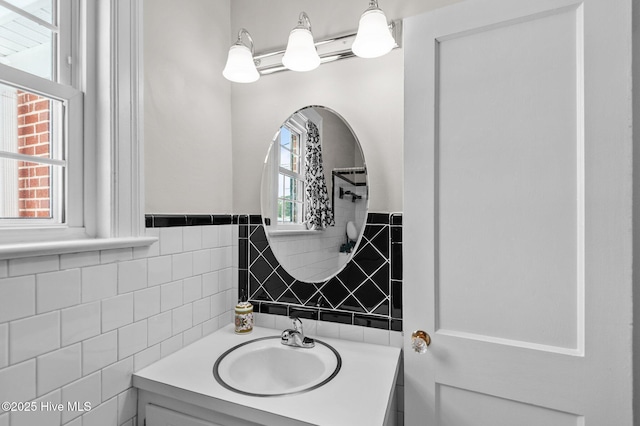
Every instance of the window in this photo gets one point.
(291, 174)
(40, 114)
(74, 184)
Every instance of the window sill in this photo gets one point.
(18, 250)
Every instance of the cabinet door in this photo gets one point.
(518, 206)
(157, 416)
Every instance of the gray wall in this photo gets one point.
(206, 138)
(187, 107)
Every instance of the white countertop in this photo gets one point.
(358, 395)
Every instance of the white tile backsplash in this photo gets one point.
(88, 389)
(182, 264)
(210, 283)
(171, 345)
(117, 311)
(106, 414)
(59, 368)
(218, 304)
(132, 339)
(170, 240)
(191, 238)
(80, 323)
(170, 295)
(41, 416)
(182, 318)
(127, 405)
(146, 357)
(116, 255)
(99, 352)
(4, 345)
(33, 336)
(159, 328)
(74, 326)
(159, 270)
(192, 289)
(79, 260)
(210, 236)
(18, 382)
(201, 311)
(201, 262)
(146, 303)
(132, 275)
(99, 282)
(17, 297)
(33, 265)
(116, 378)
(4, 268)
(56, 290)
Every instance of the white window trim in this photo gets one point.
(113, 200)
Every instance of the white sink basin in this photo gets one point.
(265, 367)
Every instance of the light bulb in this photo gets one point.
(374, 38)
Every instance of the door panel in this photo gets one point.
(508, 173)
(517, 258)
(488, 410)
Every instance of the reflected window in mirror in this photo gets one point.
(290, 182)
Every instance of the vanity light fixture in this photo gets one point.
(374, 37)
(301, 53)
(241, 67)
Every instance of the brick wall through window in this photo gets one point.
(34, 139)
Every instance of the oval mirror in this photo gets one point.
(314, 194)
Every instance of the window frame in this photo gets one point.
(297, 125)
(105, 203)
(64, 88)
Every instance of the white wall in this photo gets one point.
(368, 94)
(187, 107)
(75, 327)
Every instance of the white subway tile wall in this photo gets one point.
(74, 327)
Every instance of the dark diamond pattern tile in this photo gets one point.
(368, 259)
(351, 304)
(351, 276)
(381, 278)
(369, 295)
(261, 269)
(382, 309)
(289, 297)
(305, 292)
(334, 292)
(363, 293)
(381, 241)
(275, 286)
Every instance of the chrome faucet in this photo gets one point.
(295, 337)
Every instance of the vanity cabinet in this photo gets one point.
(158, 416)
(181, 389)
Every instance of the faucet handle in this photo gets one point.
(297, 324)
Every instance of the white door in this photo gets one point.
(517, 243)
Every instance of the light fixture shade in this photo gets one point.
(240, 67)
(374, 38)
(301, 53)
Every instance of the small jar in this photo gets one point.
(244, 317)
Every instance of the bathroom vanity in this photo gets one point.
(181, 388)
